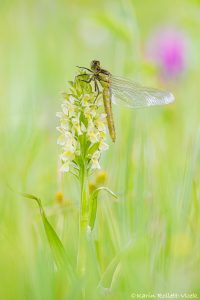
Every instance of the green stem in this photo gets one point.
(83, 221)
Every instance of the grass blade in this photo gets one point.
(93, 204)
(53, 239)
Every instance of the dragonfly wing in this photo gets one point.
(128, 93)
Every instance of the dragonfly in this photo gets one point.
(119, 90)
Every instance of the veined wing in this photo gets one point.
(133, 95)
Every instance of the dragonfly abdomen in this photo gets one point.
(108, 109)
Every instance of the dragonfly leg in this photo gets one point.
(80, 75)
(85, 69)
(96, 87)
(89, 80)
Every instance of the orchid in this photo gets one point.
(82, 129)
(82, 123)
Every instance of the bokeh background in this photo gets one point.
(148, 240)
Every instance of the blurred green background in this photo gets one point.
(148, 240)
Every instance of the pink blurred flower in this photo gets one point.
(167, 47)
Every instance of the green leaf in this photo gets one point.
(93, 148)
(53, 239)
(93, 204)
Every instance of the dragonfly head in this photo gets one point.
(95, 66)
